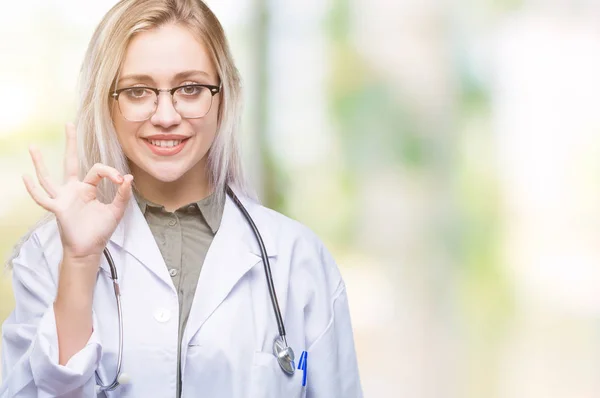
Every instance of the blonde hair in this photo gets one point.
(96, 136)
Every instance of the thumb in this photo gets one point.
(123, 195)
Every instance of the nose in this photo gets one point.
(166, 115)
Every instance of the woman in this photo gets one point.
(155, 134)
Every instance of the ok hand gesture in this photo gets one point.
(85, 224)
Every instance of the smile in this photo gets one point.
(165, 143)
(166, 147)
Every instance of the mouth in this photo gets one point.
(166, 147)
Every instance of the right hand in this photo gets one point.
(85, 224)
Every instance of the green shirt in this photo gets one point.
(183, 237)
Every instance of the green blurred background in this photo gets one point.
(446, 152)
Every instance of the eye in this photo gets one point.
(137, 92)
(190, 90)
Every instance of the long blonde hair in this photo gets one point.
(97, 139)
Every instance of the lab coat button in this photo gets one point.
(173, 272)
(162, 315)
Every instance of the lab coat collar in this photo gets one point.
(233, 253)
(134, 235)
(260, 216)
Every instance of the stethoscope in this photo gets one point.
(283, 352)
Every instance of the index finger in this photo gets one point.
(71, 159)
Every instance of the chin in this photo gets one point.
(167, 177)
(167, 174)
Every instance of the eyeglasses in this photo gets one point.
(191, 101)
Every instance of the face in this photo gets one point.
(167, 146)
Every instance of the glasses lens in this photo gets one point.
(137, 104)
(192, 101)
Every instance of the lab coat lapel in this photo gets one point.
(231, 255)
(135, 237)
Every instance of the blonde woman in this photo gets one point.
(157, 274)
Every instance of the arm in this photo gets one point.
(30, 338)
(73, 305)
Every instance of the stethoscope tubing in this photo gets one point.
(115, 280)
(266, 264)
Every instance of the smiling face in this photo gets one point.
(166, 147)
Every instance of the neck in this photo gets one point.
(189, 188)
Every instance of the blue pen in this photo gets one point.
(302, 364)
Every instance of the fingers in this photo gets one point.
(42, 172)
(36, 194)
(100, 171)
(123, 195)
(71, 160)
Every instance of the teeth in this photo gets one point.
(165, 143)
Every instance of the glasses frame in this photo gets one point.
(214, 90)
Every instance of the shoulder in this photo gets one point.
(42, 235)
(39, 251)
(48, 238)
(284, 230)
(298, 244)
(285, 226)
(46, 232)
(309, 275)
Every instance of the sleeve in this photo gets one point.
(331, 365)
(332, 368)
(30, 341)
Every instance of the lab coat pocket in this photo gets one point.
(269, 381)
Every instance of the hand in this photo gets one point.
(85, 224)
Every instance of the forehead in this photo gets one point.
(165, 51)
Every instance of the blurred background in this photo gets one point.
(447, 152)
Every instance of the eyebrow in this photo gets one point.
(180, 75)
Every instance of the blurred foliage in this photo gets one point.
(379, 129)
(33, 133)
(480, 203)
(274, 179)
(376, 129)
(484, 290)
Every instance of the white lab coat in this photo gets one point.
(227, 344)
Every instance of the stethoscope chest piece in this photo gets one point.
(285, 355)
